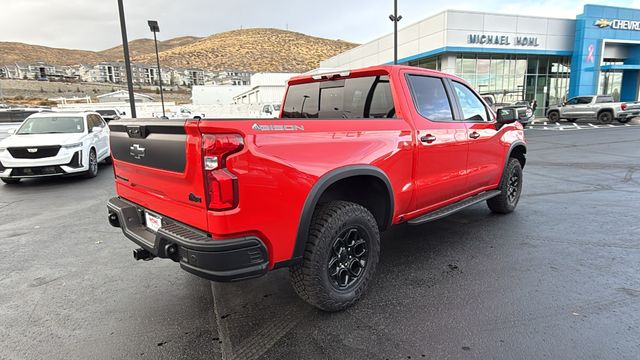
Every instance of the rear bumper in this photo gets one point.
(217, 260)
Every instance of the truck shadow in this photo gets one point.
(254, 316)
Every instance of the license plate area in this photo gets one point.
(152, 222)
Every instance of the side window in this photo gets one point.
(584, 100)
(572, 101)
(430, 97)
(100, 121)
(90, 124)
(604, 99)
(472, 107)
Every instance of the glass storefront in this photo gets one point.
(512, 77)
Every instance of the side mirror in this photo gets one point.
(11, 131)
(507, 116)
(96, 130)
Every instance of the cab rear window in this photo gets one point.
(355, 98)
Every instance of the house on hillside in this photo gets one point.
(123, 96)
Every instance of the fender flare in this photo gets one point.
(513, 146)
(323, 183)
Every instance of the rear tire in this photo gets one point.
(93, 165)
(10, 181)
(510, 187)
(605, 117)
(553, 116)
(340, 257)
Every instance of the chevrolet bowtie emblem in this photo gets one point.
(602, 23)
(136, 151)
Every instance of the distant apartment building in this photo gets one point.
(232, 77)
(38, 71)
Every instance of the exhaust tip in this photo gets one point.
(113, 219)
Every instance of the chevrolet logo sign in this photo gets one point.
(602, 23)
(136, 151)
(33, 150)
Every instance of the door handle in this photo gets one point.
(428, 139)
(474, 135)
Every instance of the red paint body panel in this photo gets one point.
(277, 169)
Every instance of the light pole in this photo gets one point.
(127, 63)
(395, 18)
(153, 26)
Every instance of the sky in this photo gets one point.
(94, 24)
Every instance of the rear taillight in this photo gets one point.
(222, 184)
(623, 106)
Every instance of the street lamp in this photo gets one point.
(153, 26)
(127, 62)
(395, 18)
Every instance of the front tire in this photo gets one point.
(10, 181)
(553, 116)
(340, 257)
(93, 165)
(510, 187)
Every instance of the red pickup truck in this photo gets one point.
(351, 154)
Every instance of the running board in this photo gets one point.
(454, 208)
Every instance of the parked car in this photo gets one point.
(631, 111)
(17, 115)
(353, 153)
(110, 114)
(50, 144)
(523, 108)
(600, 107)
(270, 111)
(183, 113)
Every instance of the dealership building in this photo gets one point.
(518, 57)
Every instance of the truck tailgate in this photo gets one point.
(151, 168)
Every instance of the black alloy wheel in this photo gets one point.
(348, 259)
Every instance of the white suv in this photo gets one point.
(50, 144)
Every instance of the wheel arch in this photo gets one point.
(517, 150)
(332, 184)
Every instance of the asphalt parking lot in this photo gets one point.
(559, 278)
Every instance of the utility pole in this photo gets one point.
(395, 18)
(154, 27)
(127, 62)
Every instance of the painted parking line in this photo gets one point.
(576, 125)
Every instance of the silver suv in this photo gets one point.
(601, 107)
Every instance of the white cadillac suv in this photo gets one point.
(50, 144)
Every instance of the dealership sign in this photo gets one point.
(618, 24)
(503, 40)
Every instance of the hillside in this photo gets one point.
(14, 52)
(248, 49)
(253, 49)
(145, 46)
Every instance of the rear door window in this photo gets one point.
(430, 97)
(584, 100)
(354, 98)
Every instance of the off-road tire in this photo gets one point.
(506, 203)
(553, 116)
(10, 181)
(605, 117)
(311, 278)
(93, 165)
